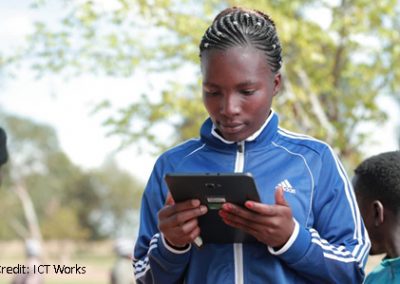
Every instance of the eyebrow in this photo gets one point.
(240, 85)
(247, 83)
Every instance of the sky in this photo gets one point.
(66, 105)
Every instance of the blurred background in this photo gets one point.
(92, 91)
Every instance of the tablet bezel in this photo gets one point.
(214, 189)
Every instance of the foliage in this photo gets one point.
(332, 75)
(69, 202)
(109, 202)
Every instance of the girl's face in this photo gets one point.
(238, 87)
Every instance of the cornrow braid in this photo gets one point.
(241, 27)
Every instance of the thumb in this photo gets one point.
(280, 197)
(169, 200)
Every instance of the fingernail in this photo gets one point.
(227, 207)
(196, 202)
(249, 204)
(203, 209)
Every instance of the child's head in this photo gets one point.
(377, 186)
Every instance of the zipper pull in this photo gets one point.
(240, 146)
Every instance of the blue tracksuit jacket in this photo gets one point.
(329, 244)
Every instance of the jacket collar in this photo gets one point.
(264, 134)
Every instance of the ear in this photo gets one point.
(378, 212)
(277, 83)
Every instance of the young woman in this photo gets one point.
(307, 225)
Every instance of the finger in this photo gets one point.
(267, 236)
(237, 220)
(169, 200)
(176, 221)
(239, 224)
(261, 208)
(183, 239)
(253, 220)
(175, 208)
(241, 215)
(186, 215)
(187, 205)
(188, 227)
(280, 198)
(237, 210)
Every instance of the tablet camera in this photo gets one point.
(210, 185)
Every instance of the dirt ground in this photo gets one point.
(95, 260)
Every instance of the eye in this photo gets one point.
(211, 93)
(247, 92)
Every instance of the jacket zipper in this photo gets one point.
(239, 163)
(238, 247)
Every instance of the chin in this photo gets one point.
(233, 138)
(375, 251)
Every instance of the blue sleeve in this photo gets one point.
(153, 260)
(336, 246)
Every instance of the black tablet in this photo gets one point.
(214, 189)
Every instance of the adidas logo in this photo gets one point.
(286, 186)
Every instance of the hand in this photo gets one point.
(270, 224)
(178, 221)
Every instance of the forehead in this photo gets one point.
(358, 185)
(243, 60)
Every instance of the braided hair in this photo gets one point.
(378, 177)
(242, 27)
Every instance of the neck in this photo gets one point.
(393, 241)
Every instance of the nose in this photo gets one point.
(230, 105)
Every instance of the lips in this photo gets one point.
(230, 127)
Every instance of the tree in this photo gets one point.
(33, 143)
(332, 75)
(46, 195)
(108, 205)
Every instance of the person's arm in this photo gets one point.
(335, 249)
(157, 260)
(154, 261)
